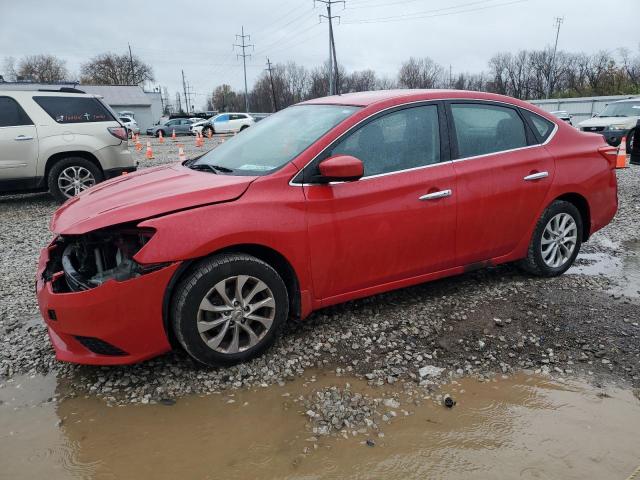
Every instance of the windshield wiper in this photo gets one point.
(211, 168)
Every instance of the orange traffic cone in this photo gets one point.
(197, 140)
(173, 135)
(160, 137)
(181, 156)
(138, 144)
(149, 153)
(621, 157)
(209, 134)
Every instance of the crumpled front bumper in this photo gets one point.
(114, 324)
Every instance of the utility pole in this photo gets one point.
(450, 77)
(184, 89)
(244, 45)
(273, 89)
(133, 77)
(334, 83)
(559, 21)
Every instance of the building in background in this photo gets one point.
(146, 106)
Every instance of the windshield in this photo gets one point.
(623, 109)
(276, 140)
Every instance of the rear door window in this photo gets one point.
(12, 114)
(71, 109)
(483, 129)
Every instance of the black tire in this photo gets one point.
(244, 127)
(630, 141)
(534, 262)
(205, 131)
(198, 283)
(61, 166)
(164, 134)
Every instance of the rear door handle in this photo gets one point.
(536, 176)
(20, 138)
(436, 195)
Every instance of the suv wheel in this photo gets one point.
(70, 176)
(229, 309)
(206, 130)
(556, 240)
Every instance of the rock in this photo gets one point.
(430, 371)
(391, 403)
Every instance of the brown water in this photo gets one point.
(522, 427)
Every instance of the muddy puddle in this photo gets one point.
(623, 270)
(521, 427)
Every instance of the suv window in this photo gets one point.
(541, 125)
(222, 118)
(400, 140)
(70, 109)
(482, 129)
(12, 114)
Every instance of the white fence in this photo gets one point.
(580, 108)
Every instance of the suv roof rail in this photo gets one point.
(62, 90)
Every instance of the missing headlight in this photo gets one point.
(90, 260)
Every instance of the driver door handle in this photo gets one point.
(21, 138)
(536, 176)
(436, 195)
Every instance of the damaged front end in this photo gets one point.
(82, 262)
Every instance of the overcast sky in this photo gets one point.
(378, 34)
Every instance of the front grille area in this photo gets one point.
(100, 347)
(592, 129)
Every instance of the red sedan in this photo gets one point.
(326, 201)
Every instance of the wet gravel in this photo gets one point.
(484, 323)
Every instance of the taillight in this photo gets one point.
(609, 153)
(119, 132)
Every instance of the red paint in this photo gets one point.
(343, 240)
(342, 167)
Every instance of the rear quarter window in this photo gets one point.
(541, 126)
(74, 109)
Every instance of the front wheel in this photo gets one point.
(556, 240)
(229, 309)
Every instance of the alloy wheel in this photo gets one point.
(75, 179)
(236, 314)
(559, 240)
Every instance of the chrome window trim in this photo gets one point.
(549, 138)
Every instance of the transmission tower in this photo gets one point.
(244, 45)
(559, 21)
(273, 89)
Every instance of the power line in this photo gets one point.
(243, 38)
(333, 62)
(432, 13)
(559, 21)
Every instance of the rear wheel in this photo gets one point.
(164, 134)
(556, 240)
(207, 130)
(229, 309)
(70, 176)
(244, 127)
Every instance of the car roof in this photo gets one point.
(365, 99)
(628, 100)
(47, 93)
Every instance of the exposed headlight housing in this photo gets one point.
(92, 259)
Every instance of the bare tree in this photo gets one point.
(114, 69)
(42, 69)
(420, 73)
(9, 69)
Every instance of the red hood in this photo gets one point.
(143, 194)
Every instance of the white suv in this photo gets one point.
(227, 123)
(63, 141)
(617, 120)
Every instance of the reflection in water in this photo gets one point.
(522, 427)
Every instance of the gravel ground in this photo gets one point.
(489, 322)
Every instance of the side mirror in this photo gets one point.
(341, 168)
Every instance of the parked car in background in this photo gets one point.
(563, 115)
(617, 120)
(228, 123)
(323, 202)
(62, 141)
(259, 116)
(180, 125)
(130, 124)
(197, 127)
